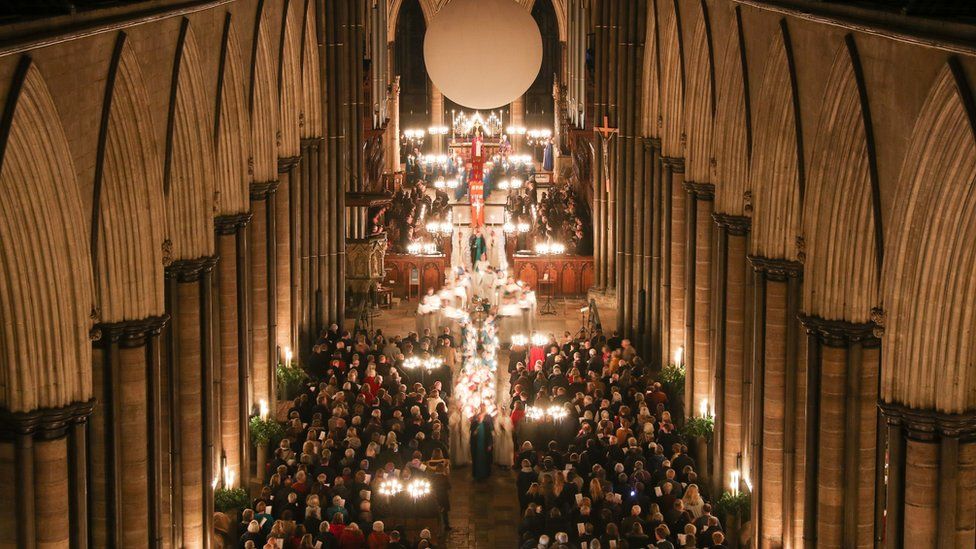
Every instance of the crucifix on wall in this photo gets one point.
(606, 134)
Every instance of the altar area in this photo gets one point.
(482, 199)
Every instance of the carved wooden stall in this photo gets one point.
(569, 275)
(412, 275)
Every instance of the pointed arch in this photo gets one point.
(45, 267)
(651, 100)
(700, 107)
(929, 346)
(841, 278)
(189, 170)
(311, 115)
(263, 103)
(290, 80)
(127, 220)
(776, 178)
(672, 81)
(733, 129)
(233, 130)
(429, 7)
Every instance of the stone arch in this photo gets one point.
(45, 268)
(930, 269)
(651, 89)
(672, 81)
(429, 7)
(841, 278)
(189, 170)
(700, 107)
(127, 220)
(732, 138)
(776, 176)
(290, 95)
(311, 114)
(263, 103)
(232, 133)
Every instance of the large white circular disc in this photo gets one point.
(483, 54)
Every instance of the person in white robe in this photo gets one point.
(460, 435)
(504, 447)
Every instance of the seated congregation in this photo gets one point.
(601, 463)
(598, 460)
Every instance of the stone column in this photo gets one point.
(639, 246)
(842, 419)
(729, 342)
(121, 464)
(659, 333)
(775, 415)
(601, 183)
(697, 298)
(39, 457)
(286, 261)
(436, 117)
(675, 242)
(263, 241)
(189, 302)
(931, 478)
(516, 111)
(233, 372)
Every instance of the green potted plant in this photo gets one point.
(290, 377)
(698, 433)
(672, 380)
(231, 500)
(732, 509)
(264, 432)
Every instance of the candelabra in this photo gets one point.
(463, 125)
(546, 248)
(537, 138)
(412, 139)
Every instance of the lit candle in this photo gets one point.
(263, 407)
(679, 356)
(734, 483)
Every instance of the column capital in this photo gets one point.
(287, 163)
(128, 333)
(927, 424)
(700, 191)
(841, 333)
(230, 224)
(778, 270)
(191, 270)
(675, 163)
(44, 423)
(735, 225)
(263, 190)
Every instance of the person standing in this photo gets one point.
(482, 443)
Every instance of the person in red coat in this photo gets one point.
(352, 538)
(378, 538)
